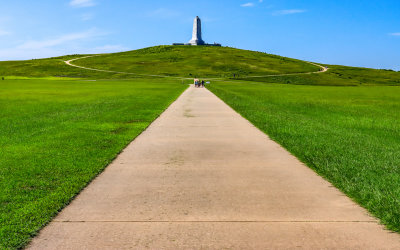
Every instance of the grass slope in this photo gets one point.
(182, 61)
(337, 76)
(51, 67)
(200, 61)
(56, 136)
(349, 135)
(204, 62)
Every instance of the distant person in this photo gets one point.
(196, 82)
(202, 83)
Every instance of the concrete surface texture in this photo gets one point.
(203, 177)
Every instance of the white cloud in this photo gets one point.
(25, 54)
(72, 43)
(82, 3)
(247, 5)
(288, 12)
(395, 34)
(22, 54)
(87, 16)
(4, 33)
(61, 39)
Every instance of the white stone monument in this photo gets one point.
(196, 35)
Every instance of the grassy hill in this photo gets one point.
(180, 61)
(49, 67)
(187, 61)
(198, 61)
(337, 76)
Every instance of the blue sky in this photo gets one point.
(356, 33)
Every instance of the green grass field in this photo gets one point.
(337, 76)
(185, 61)
(181, 61)
(204, 62)
(349, 135)
(56, 136)
(57, 133)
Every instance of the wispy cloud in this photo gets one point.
(4, 33)
(247, 5)
(61, 40)
(288, 12)
(395, 34)
(72, 43)
(87, 16)
(23, 54)
(82, 3)
(163, 13)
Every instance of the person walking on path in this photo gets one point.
(196, 82)
(202, 83)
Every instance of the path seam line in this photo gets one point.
(233, 221)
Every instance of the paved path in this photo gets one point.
(202, 177)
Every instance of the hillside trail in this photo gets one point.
(323, 69)
(203, 177)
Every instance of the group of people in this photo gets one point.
(198, 83)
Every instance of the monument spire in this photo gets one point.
(196, 36)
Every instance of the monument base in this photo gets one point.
(205, 44)
(197, 42)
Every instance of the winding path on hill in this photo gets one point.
(69, 62)
(203, 177)
(111, 71)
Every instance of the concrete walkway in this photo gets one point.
(203, 177)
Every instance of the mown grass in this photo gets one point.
(179, 61)
(349, 135)
(337, 76)
(53, 68)
(199, 61)
(56, 136)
